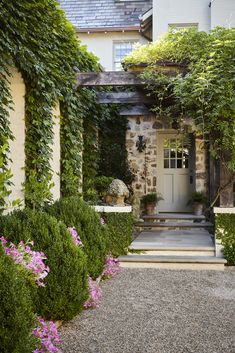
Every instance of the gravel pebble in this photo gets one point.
(158, 311)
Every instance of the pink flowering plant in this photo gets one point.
(76, 238)
(95, 293)
(111, 267)
(47, 337)
(29, 259)
(103, 221)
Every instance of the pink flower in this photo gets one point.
(76, 239)
(95, 293)
(29, 259)
(111, 267)
(103, 222)
(47, 334)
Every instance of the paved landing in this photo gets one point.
(173, 239)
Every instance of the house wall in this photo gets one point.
(144, 164)
(223, 13)
(165, 12)
(17, 125)
(101, 44)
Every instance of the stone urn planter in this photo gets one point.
(150, 201)
(116, 193)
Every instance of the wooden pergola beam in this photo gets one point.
(136, 110)
(109, 78)
(123, 98)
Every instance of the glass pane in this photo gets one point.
(179, 163)
(172, 154)
(166, 143)
(166, 163)
(172, 163)
(166, 153)
(185, 163)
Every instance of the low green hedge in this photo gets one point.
(66, 286)
(225, 230)
(16, 309)
(75, 212)
(119, 232)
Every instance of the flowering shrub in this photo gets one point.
(29, 259)
(76, 238)
(103, 221)
(111, 267)
(47, 335)
(95, 293)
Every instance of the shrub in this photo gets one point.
(74, 212)
(101, 185)
(16, 309)
(225, 230)
(119, 232)
(66, 286)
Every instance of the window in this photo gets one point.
(176, 154)
(175, 27)
(121, 49)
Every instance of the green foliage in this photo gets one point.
(16, 309)
(5, 176)
(101, 185)
(153, 197)
(66, 284)
(205, 93)
(42, 44)
(74, 212)
(225, 230)
(112, 146)
(119, 231)
(198, 197)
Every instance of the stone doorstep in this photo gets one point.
(173, 262)
(176, 252)
(174, 224)
(175, 216)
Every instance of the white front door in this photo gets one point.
(173, 173)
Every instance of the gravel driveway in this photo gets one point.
(158, 311)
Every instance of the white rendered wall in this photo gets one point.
(55, 163)
(101, 44)
(167, 12)
(223, 13)
(17, 125)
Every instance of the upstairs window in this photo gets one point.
(120, 50)
(175, 27)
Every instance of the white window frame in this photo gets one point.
(124, 41)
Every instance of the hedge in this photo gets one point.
(66, 286)
(119, 232)
(225, 230)
(75, 212)
(16, 309)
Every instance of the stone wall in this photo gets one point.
(144, 164)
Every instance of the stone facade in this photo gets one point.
(143, 163)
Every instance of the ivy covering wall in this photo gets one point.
(37, 39)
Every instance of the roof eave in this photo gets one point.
(109, 29)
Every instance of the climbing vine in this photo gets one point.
(38, 40)
(204, 90)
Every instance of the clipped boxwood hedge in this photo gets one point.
(66, 286)
(75, 212)
(225, 230)
(119, 231)
(16, 309)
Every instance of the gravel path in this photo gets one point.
(158, 311)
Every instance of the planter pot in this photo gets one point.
(150, 208)
(197, 208)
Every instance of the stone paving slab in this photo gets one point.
(173, 238)
(158, 311)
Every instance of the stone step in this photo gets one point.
(179, 225)
(175, 252)
(172, 262)
(174, 216)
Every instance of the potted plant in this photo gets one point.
(150, 201)
(198, 201)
